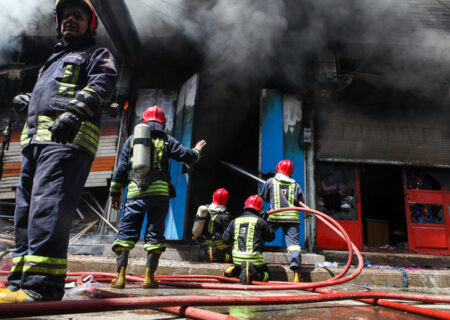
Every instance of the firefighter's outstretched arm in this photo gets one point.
(180, 153)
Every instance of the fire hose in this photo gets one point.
(217, 282)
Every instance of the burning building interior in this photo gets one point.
(355, 93)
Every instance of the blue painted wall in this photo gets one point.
(277, 144)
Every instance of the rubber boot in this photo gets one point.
(122, 261)
(8, 296)
(230, 272)
(297, 275)
(151, 266)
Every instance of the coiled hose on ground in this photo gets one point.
(183, 305)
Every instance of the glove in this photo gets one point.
(20, 103)
(65, 128)
(82, 107)
(115, 202)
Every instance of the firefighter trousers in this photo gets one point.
(50, 187)
(131, 221)
(292, 238)
(210, 253)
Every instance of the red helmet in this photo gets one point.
(154, 113)
(285, 167)
(220, 197)
(254, 202)
(86, 4)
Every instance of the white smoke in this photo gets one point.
(22, 17)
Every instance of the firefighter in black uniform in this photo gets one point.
(216, 220)
(149, 193)
(59, 142)
(282, 191)
(248, 233)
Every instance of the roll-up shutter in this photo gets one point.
(101, 170)
(359, 136)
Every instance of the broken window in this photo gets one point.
(336, 191)
(426, 213)
(423, 179)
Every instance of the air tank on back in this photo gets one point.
(141, 150)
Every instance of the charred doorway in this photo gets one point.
(229, 122)
(383, 208)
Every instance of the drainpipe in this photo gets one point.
(310, 192)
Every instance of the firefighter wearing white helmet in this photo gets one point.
(61, 134)
(143, 168)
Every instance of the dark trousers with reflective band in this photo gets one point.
(260, 272)
(133, 216)
(223, 255)
(50, 186)
(292, 238)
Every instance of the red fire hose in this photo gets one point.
(210, 282)
(101, 305)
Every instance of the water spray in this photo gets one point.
(235, 168)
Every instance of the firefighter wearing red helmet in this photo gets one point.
(248, 233)
(143, 168)
(154, 113)
(210, 223)
(61, 134)
(282, 191)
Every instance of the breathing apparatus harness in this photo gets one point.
(150, 157)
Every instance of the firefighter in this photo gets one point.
(216, 220)
(248, 233)
(147, 194)
(282, 191)
(59, 142)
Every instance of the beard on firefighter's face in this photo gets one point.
(74, 23)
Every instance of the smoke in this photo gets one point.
(23, 17)
(249, 40)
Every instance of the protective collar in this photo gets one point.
(283, 178)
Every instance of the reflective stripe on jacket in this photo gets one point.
(282, 195)
(88, 136)
(248, 234)
(78, 66)
(175, 151)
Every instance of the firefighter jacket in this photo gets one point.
(159, 186)
(217, 223)
(248, 233)
(78, 66)
(282, 192)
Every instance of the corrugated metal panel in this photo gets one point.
(356, 137)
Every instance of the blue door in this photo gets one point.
(182, 131)
(281, 137)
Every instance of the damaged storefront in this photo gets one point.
(382, 172)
